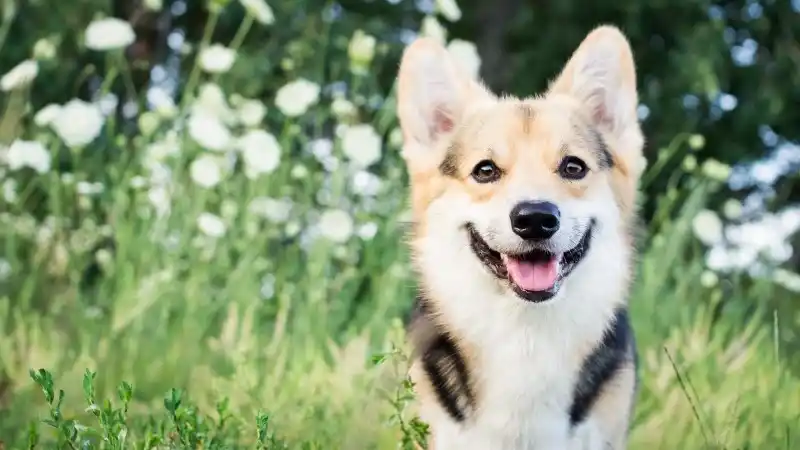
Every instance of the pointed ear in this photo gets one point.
(433, 95)
(601, 76)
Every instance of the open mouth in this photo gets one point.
(535, 275)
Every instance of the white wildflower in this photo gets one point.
(342, 108)
(159, 174)
(165, 106)
(251, 113)
(28, 154)
(236, 99)
(229, 209)
(10, 190)
(109, 34)
(129, 109)
(211, 100)
(336, 225)
(340, 129)
(299, 172)
(88, 188)
(20, 76)
(294, 98)
(769, 236)
(267, 290)
(466, 55)
(708, 279)
(108, 104)
(787, 279)
(433, 29)
(260, 10)
(159, 151)
(78, 123)
(697, 141)
(292, 229)
(779, 252)
(260, 151)
(716, 170)
(211, 225)
(321, 148)
(732, 208)
(217, 58)
(340, 252)
(161, 101)
(368, 231)
(361, 48)
(396, 137)
(206, 171)
(5, 269)
(449, 9)
(362, 144)
(154, 5)
(149, 121)
(366, 183)
(46, 115)
(707, 227)
(160, 198)
(138, 182)
(689, 163)
(44, 50)
(209, 131)
(274, 210)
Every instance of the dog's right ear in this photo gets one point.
(433, 94)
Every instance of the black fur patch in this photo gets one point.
(449, 166)
(604, 158)
(442, 362)
(601, 366)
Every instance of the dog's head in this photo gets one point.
(524, 183)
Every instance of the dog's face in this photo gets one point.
(525, 184)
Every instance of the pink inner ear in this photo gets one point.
(442, 123)
(600, 113)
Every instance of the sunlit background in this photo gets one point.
(203, 208)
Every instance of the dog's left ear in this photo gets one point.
(601, 76)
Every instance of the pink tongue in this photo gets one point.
(532, 276)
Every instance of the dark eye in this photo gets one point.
(486, 172)
(572, 168)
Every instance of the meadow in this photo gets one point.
(221, 271)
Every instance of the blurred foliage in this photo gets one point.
(690, 55)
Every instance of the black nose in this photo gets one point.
(535, 220)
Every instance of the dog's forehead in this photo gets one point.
(511, 124)
(532, 127)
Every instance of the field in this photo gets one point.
(203, 283)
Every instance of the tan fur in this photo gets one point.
(613, 407)
(450, 123)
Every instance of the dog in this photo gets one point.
(523, 244)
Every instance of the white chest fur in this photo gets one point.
(525, 392)
(526, 384)
(528, 356)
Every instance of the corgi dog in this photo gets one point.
(524, 212)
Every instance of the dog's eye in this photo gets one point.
(572, 168)
(486, 172)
